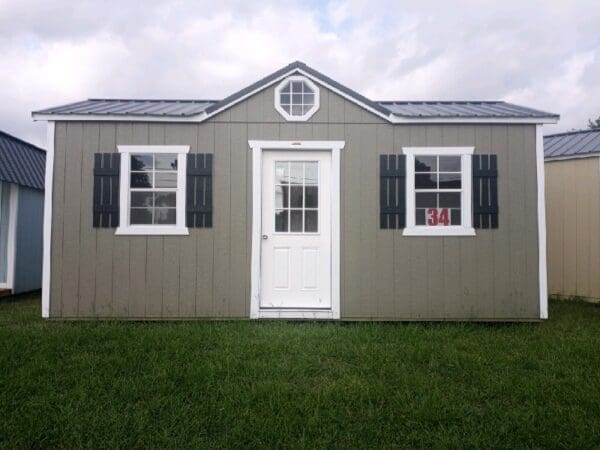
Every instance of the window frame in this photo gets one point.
(466, 227)
(288, 116)
(125, 228)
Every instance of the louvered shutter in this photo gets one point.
(392, 191)
(485, 191)
(199, 190)
(106, 190)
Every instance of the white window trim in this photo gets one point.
(466, 229)
(287, 116)
(124, 227)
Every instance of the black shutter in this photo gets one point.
(106, 190)
(392, 191)
(198, 210)
(485, 191)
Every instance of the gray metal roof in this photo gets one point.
(573, 144)
(405, 109)
(21, 162)
(465, 109)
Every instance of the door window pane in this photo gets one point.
(296, 197)
(311, 196)
(281, 220)
(311, 221)
(296, 220)
(281, 196)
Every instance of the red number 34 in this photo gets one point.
(437, 216)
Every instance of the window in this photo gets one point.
(152, 189)
(297, 98)
(296, 197)
(438, 181)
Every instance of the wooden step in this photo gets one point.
(5, 292)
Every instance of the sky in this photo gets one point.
(542, 54)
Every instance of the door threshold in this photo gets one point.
(295, 313)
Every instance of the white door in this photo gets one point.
(296, 230)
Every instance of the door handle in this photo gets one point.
(265, 237)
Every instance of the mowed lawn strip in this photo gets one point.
(299, 384)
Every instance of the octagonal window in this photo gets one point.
(297, 98)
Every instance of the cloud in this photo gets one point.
(541, 54)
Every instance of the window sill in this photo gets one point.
(438, 231)
(156, 230)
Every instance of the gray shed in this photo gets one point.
(296, 198)
(21, 214)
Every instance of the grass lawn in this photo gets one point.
(305, 385)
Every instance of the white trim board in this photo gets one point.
(541, 198)
(11, 236)
(257, 148)
(47, 247)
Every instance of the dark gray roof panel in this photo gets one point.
(471, 109)
(572, 144)
(123, 107)
(21, 162)
(407, 109)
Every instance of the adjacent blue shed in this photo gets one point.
(22, 167)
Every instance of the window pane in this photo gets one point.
(296, 172)
(420, 216)
(311, 172)
(141, 180)
(281, 196)
(281, 220)
(165, 162)
(450, 164)
(140, 216)
(311, 197)
(141, 199)
(296, 221)
(308, 99)
(285, 99)
(286, 108)
(296, 197)
(296, 110)
(141, 162)
(296, 86)
(455, 216)
(449, 200)
(165, 180)
(311, 221)
(426, 181)
(282, 172)
(425, 163)
(306, 87)
(426, 200)
(306, 109)
(165, 199)
(286, 88)
(296, 99)
(164, 216)
(450, 181)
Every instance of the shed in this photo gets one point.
(296, 198)
(573, 213)
(21, 213)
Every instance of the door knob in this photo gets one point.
(265, 237)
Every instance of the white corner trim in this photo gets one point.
(541, 199)
(124, 228)
(257, 148)
(47, 246)
(466, 229)
(11, 247)
(288, 116)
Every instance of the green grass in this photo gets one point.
(302, 385)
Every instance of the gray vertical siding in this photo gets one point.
(4, 221)
(384, 275)
(28, 250)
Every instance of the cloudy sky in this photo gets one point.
(543, 54)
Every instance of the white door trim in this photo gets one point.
(257, 148)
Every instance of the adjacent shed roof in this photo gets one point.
(21, 162)
(574, 144)
(153, 108)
